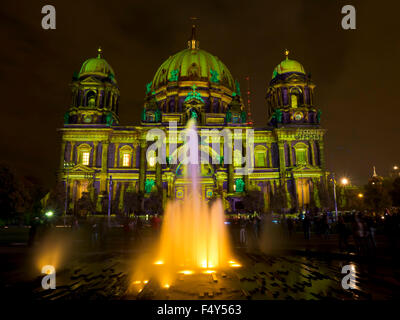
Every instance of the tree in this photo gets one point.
(325, 193)
(10, 196)
(254, 201)
(153, 203)
(56, 199)
(395, 192)
(377, 197)
(278, 199)
(133, 202)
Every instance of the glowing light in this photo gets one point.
(159, 262)
(209, 271)
(186, 272)
(49, 214)
(344, 181)
(146, 281)
(166, 286)
(236, 265)
(360, 195)
(137, 282)
(85, 158)
(395, 168)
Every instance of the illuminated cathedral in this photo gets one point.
(104, 159)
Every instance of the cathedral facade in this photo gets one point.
(103, 159)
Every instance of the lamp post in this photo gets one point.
(334, 195)
(344, 182)
(67, 166)
(109, 201)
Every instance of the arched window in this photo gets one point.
(296, 97)
(91, 99)
(293, 102)
(260, 156)
(301, 150)
(84, 154)
(125, 156)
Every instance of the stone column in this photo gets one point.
(230, 178)
(62, 155)
(282, 162)
(116, 155)
(158, 176)
(104, 166)
(315, 193)
(322, 154)
(94, 160)
(142, 170)
(313, 160)
(270, 155)
(291, 153)
(72, 152)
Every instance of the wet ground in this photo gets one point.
(288, 274)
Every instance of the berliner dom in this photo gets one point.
(102, 159)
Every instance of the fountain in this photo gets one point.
(193, 234)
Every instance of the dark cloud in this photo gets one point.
(355, 71)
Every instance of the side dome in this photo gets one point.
(288, 66)
(193, 65)
(97, 67)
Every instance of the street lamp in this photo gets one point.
(395, 168)
(49, 214)
(344, 181)
(360, 195)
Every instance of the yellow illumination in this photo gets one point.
(209, 271)
(186, 272)
(126, 157)
(360, 195)
(137, 282)
(236, 265)
(159, 262)
(166, 286)
(85, 158)
(145, 281)
(344, 181)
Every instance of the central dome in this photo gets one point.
(193, 65)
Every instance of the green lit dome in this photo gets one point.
(288, 65)
(98, 67)
(193, 65)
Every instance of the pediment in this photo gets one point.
(303, 168)
(91, 80)
(82, 168)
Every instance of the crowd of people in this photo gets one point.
(355, 231)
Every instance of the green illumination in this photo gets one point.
(49, 214)
(239, 183)
(148, 87)
(194, 95)
(174, 75)
(149, 185)
(214, 76)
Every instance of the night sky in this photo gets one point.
(356, 71)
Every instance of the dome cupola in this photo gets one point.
(192, 72)
(290, 95)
